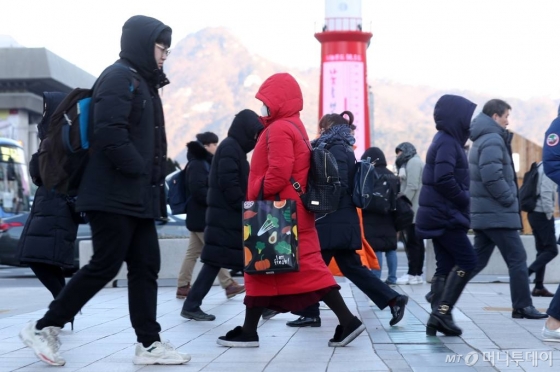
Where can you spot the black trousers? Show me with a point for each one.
(201, 287)
(116, 239)
(545, 243)
(509, 243)
(454, 248)
(415, 252)
(51, 276)
(350, 265)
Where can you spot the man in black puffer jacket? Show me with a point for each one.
(122, 192)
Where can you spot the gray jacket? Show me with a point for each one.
(411, 181)
(493, 186)
(547, 194)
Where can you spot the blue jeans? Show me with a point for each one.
(391, 265)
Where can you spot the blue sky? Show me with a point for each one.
(504, 48)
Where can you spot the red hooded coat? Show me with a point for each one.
(286, 155)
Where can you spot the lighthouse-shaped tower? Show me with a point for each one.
(343, 85)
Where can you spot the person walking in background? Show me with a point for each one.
(551, 168)
(281, 154)
(223, 235)
(340, 231)
(122, 192)
(495, 210)
(48, 237)
(443, 212)
(541, 220)
(379, 229)
(409, 169)
(199, 157)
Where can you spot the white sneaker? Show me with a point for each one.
(417, 279)
(550, 334)
(45, 343)
(405, 279)
(159, 353)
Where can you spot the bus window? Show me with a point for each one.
(14, 179)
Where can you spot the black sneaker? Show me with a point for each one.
(197, 315)
(398, 309)
(237, 338)
(269, 314)
(344, 335)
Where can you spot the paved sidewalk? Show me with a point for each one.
(104, 341)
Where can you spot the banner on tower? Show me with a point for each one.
(343, 90)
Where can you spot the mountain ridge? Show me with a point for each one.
(213, 76)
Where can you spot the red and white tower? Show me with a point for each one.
(343, 66)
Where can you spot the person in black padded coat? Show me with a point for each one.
(340, 232)
(47, 240)
(379, 229)
(227, 188)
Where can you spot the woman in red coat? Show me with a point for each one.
(281, 153)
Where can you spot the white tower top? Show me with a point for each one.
(343, 15)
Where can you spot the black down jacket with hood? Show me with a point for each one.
(223, 236)
(379, 229)
(198, 169)
(126, 169)
(50, 230)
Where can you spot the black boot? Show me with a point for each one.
(440, 318)
(438, 284)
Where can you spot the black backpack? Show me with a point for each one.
(374, 192)
(404, 214)
(178, 193)
(529, 191)
(64, 153)
(322, 194)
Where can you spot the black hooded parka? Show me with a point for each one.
(229, 175)
(126, 170)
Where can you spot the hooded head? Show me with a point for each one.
(407, 151)
(376, 155)
(282, 95)
(245, 128)
(453, 115)
(138, 40)
(51, 100)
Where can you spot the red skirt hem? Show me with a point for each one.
(287, 303)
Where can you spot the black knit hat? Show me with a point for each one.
(207, 138)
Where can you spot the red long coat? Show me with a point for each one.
(286, 155)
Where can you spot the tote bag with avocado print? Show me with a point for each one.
(270, 236)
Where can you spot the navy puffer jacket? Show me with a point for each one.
(444, 199)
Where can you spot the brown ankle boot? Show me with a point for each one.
(234, 289)
(182, 292)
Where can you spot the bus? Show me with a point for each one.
(15, 187)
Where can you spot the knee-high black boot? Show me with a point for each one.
(438, 284)
(440, 318)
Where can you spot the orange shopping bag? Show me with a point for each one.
(369, 259)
